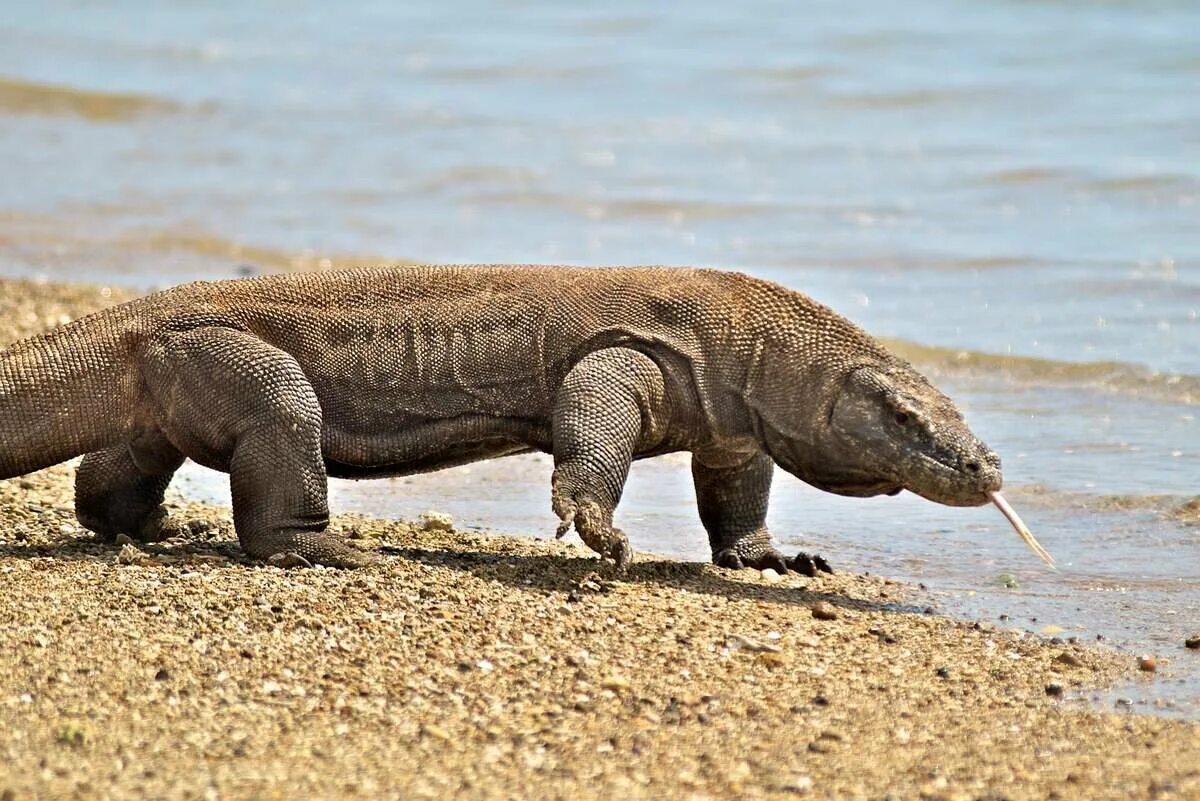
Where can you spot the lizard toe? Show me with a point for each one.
(729, 558)
(809, 565)
(618, 550)
(774, 561)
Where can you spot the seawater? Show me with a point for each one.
(1007, 190)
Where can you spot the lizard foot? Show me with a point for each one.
(306, 550)
(169, 526)
(596, 531)
(801, 563)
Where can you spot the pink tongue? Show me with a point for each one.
(1022, 530)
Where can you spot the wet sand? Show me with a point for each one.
(482, 666)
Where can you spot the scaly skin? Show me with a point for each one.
(285, 380)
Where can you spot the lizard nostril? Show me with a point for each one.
(973, 467)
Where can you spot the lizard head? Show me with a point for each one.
(884, 429)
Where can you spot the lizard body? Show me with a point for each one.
(283, 381)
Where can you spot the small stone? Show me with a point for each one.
(1193, 642)
(200, 526)
(1147, 663)
(770, 575)
(798, 785)
(123, 539)
(72, 734)
(824, 611)
(436, 521)
(737, 642)
(1007, 581)
(435, 731)
(772, 659)
(162, 675)
(615, 683)
(129, 555)
(1068, 658)
(943, 673)
(1054, 690)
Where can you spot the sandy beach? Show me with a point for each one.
(469, 665)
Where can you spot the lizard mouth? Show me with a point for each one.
(947, 484)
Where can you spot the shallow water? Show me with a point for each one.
(1009, 193)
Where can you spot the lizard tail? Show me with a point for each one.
(67, 392)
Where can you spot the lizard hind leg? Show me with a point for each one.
(234, 402)
(120, 490)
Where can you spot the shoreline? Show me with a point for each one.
(502, 667)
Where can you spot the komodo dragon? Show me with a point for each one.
(282, 381)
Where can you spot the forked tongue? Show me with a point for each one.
(1022, 530)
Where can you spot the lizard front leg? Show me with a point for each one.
(610, 406)
(732, 499)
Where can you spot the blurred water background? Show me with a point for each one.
(1008, 190)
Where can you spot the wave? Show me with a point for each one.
(59, 245)
(202, 244)
(1118, 377)
(675, 210)
(918, 98)
(29, 97)
(1178, 508)
(1029, 175)
(1139, 183)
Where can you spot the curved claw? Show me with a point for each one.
(800, 563)
(288, 559)
(809, 565)
(621, 555)
(773, 561)
(564, 525)
(730, 559)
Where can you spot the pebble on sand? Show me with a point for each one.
(1147, 663)
(824, 611)
(1068, 658)
(1193, 642)
(129, 555)
(437, 521)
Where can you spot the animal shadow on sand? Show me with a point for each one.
(578, 575)
(572, 576)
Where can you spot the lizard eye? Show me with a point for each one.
(902, 418)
